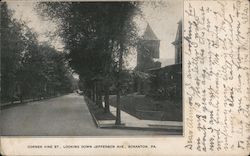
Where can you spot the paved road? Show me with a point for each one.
(62, 116)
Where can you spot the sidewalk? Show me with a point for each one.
(18, 102)
(131, 122)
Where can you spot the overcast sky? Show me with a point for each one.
(163, 20)
(162, 17)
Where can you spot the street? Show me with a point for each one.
(67, 115)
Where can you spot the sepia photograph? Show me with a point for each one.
(91, 68)
(138, 77)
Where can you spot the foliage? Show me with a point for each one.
(29, 69)
(12, 46)
(93, 33)
(97, 36)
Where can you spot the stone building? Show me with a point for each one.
(167, 81)
(160, 82)
(148, 51)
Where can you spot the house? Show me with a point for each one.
(164, 82)
(167, 81)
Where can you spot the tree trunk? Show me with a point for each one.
(106, 99)
(95, 92)
(21, 98)
(99, 95)
(118, 104)
(90, 93)
(118, 109)
(100, 101)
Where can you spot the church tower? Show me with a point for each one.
(178, 44)
(148, 50)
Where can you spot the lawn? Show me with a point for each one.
(146, 108)
(98, 112)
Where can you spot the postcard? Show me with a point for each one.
(153, 78)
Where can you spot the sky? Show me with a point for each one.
(162, 16)
(163, 19)
(24, 10)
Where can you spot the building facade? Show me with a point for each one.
(167, 81)
(147, 51)
(163, 82)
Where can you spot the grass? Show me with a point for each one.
(98, 112)
(146, 108)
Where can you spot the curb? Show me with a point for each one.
(16, 103)
(179, 129)
(97, 124)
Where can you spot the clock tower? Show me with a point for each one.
(147, 51)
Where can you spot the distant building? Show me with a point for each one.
(162, 82)
(167, 81)
(178, 44)
(147, 51)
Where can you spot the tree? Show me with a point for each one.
(45, 72)
(12, 47)
(124, 36)
(30, 69)
(97, 36)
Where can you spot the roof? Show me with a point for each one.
(178, 37)
(149, 34)
(166, 67)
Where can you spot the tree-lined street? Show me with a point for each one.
(97, 39)
(29, 69)
(62, 116)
